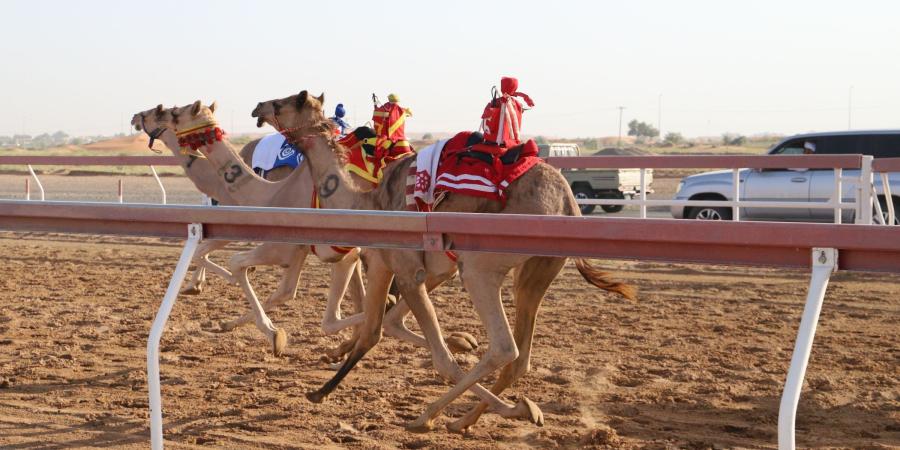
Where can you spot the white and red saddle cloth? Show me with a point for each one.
(466, 164)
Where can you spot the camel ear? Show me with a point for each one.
(301, 99)
(195, 108)
(159, 108)
(321, 98)
(212, 107)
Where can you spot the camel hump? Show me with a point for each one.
(601, 279)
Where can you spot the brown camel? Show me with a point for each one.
(295, 191)
(542, 190)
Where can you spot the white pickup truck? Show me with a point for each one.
(597, 183)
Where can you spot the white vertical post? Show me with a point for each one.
(837, 196)
(824, 262)
(159, 182)
(864, 192)
(37, 180)
(27, 188)
(195, 234)
(121, 192)
(888, 197)
(643, 193)
(736, 193)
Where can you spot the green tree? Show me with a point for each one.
(427, 137)
(642, 129)
(674, 138)
(540, 140)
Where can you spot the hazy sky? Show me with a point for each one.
(766, 66)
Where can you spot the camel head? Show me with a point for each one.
(154, 122)
(195, 115)
(293, 113)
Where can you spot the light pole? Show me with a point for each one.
(659, 117)
(621, 108)
(850, 108)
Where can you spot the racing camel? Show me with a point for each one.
(295, 190)
(541, 190)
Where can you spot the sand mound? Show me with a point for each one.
(135, 142)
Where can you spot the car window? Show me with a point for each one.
(882, 146)
(790, 148)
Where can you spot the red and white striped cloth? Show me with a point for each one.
(444, 167)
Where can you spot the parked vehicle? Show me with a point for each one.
(597, 183)
(794, 184)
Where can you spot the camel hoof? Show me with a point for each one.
(459, 426)
(529, 411)
(191, 290)
(315, 396)
(227, 326)
(420, 425)
(460, 342)
(280, 342)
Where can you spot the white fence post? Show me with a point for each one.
(838, 196)
(643, 193)
(864, 192)
(736, 194)
(195, 234)
(824, 262)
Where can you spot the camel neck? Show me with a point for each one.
(335, 188)
(201, 174)
(237, 178)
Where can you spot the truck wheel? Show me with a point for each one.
(584, 193)
(709, 213)
(613, 208)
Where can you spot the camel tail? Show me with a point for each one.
(601, 279)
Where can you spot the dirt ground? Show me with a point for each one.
(697, 362)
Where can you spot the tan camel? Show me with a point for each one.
(207, 179)
(201, 257)
(244, 187)
(542, 190)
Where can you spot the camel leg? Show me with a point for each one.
(342, 273)
(287, 287)
(531, 283)
(357, 294)
(201, 260)
(379, 281)
(266, 254)
(484, 288)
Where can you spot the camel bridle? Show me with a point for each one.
(154, 135)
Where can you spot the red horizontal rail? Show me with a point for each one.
(861, 247)
(90, 160)
(886, 165)
(709, 162)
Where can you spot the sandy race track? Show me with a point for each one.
(697, 362)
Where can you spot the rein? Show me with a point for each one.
(154, 135)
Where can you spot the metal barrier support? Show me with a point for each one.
(37, 180)
(824, 262)
(121, 191)
(159, 182)
(195, 234)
